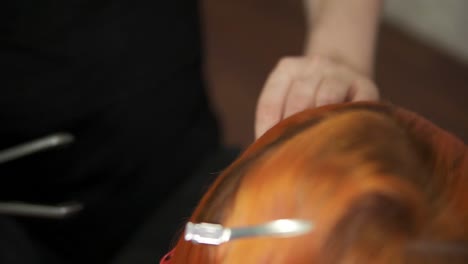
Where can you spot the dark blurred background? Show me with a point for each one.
(421, 63)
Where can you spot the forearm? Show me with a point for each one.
(345, 30)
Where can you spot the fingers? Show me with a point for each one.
(301, 95)
(363, 90)
(331, 91)
(270, 105)
(298, 83)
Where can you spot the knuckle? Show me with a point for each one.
(318, 59)
(317, 64)
(287, 62)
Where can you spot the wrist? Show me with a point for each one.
(344, 30)
(341, 48)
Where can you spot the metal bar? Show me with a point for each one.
(41, 211)
(41, 144)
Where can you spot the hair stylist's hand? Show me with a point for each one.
(298, 83)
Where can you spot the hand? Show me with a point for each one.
(298, 83)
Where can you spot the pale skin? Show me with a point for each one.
(337, 64)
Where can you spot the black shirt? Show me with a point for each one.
(123, 76)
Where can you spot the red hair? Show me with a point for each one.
(380, 184)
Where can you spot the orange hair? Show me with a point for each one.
(380, 184)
